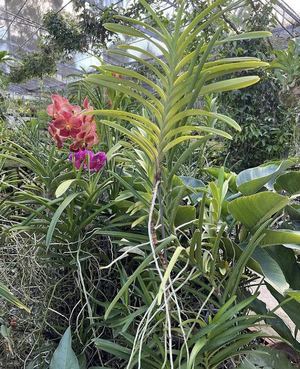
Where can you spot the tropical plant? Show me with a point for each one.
(152, 142)
(158, 266)
(277, 244)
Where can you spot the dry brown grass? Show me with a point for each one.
(31, 282)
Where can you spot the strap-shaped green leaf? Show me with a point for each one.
(118, 87)
(229, 85)
(199, 112)
(247, 36)
(130, 31)
(137, 272)
(179, 140)
(148, 54)
(144, 144)
(194, 23)
(56, 217)
(128, 87)
(156, 18)
(124, 54)
(146, 26)
(214, 63)
(185, 130)
(222, 69)
(281, 237)
(131, 73)
(121, 114)
(136, 123)
(8, 296)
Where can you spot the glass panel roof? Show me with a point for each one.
(20, 27)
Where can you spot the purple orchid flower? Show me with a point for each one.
(91, 161)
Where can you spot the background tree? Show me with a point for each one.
(267, 130)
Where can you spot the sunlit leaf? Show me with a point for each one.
(255, 209)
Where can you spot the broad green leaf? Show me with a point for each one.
(57, 215)
(283, 237)
(64, 357)
(279, 326)
(192, 182)
(270, 268)
(8, 296)
(291, 269)
(291, 307)
(185, 214)
(231, 176)
(289, 182)
(265, 358)
(293, 210)
(251, 180)
(255, 209)
(287, 261)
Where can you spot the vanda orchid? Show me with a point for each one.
(69, 123)
(88, 159)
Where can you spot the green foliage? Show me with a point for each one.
(267, 129)
(287, 61)
(64, 35)
(265, 358)
(36, 64)
(155, 267)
